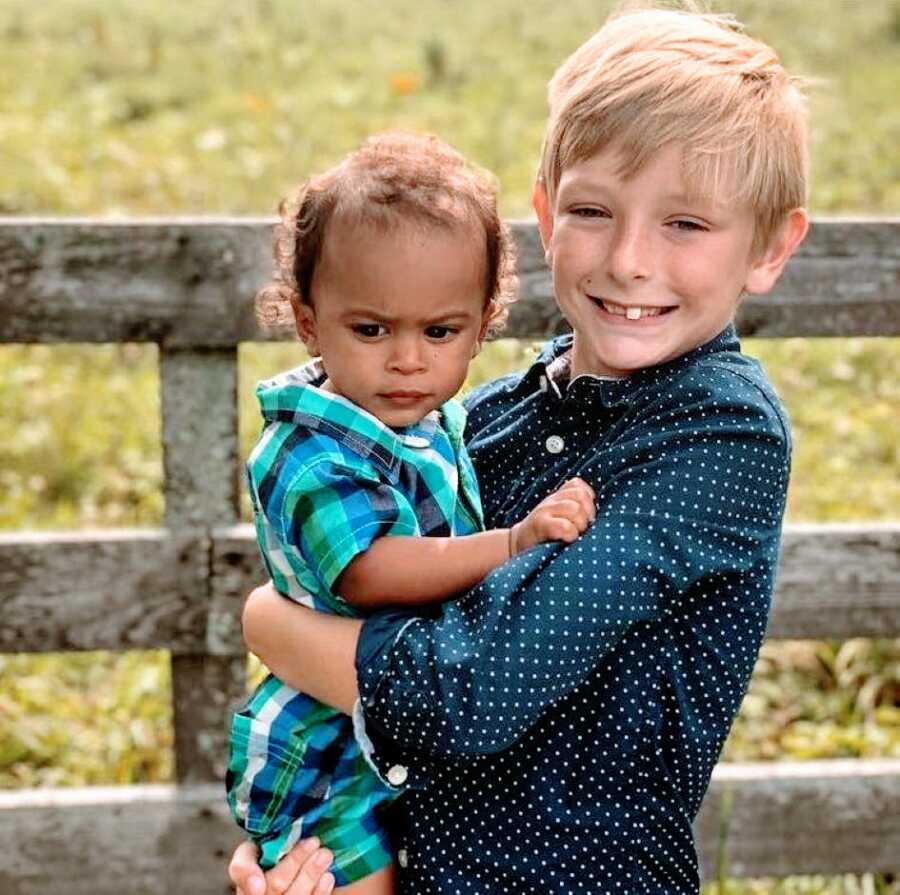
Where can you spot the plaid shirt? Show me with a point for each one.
(326, 479)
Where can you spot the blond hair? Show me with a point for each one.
(651, 78)
(394, 178)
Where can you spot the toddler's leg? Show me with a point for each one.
(381, 882)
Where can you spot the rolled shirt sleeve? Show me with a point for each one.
(690, 493)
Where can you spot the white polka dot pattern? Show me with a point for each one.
(559, 723)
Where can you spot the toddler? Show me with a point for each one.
(395, 266)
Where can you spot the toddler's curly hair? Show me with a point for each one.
(393, 178)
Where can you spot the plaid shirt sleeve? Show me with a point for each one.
(331, 513)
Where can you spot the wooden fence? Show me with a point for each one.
(187, 286)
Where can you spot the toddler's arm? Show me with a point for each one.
(407, 571)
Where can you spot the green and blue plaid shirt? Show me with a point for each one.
(326, 479)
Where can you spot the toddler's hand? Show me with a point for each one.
(561, 516)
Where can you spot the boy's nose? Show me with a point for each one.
(629, 257)
(408, 355)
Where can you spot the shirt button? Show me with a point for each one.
(397, 775)
(416, 441)
(402, 857)
(555, 444)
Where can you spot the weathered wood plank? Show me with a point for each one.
(200, 459)
(815, 817)
(175, 282)
(129, 840)
(137, 589)
(839, 580)
(191, 283)
(183, 592)
(199, 436)
(811, 817)
(204, 689)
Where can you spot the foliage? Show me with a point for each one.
(107, 123)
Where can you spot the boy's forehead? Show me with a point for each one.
(674, 178)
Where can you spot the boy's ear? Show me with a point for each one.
(540, 201)
(305, 321)
(765, 270)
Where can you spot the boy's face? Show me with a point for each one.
(642, 271)
(396, 316)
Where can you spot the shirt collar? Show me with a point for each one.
(297, 396)
(550, 371)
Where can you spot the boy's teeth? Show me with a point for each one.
(632, 312)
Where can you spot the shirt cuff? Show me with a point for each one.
(399, 765)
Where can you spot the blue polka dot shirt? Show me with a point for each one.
(556, 726)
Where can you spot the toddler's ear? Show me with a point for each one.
(765, 270)
(305, 320)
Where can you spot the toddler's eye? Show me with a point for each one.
(440, 333)
(369, 330)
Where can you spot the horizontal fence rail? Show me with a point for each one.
(757, 820)
(183, 592)
(190, 283)
(188, 286)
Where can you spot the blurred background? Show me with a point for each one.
(120, 109)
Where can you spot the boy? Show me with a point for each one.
(394, 265)
(566, 741)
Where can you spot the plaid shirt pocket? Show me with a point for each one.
(285, 747)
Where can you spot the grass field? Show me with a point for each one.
(168, 108)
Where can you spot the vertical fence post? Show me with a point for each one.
(200, 456)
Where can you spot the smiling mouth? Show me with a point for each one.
(631, 312)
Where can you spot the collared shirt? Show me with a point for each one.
(558, 725)
(327, 478)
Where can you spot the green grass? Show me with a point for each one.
(165, 108)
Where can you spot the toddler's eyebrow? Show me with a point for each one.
(446, 317)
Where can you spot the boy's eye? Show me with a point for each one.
(689, 226)
(588, 211)
(439, 332)
(369, 330)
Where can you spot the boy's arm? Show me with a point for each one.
(438, 687)
(410, 571)
(685, 546)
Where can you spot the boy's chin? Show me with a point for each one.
(623, 359)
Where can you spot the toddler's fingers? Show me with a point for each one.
(562, 529)
(573, 510)
(577, 484)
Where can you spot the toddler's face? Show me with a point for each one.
(643, 271)
(396, 316)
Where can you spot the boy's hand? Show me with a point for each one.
(302, 871)
(561, 516)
